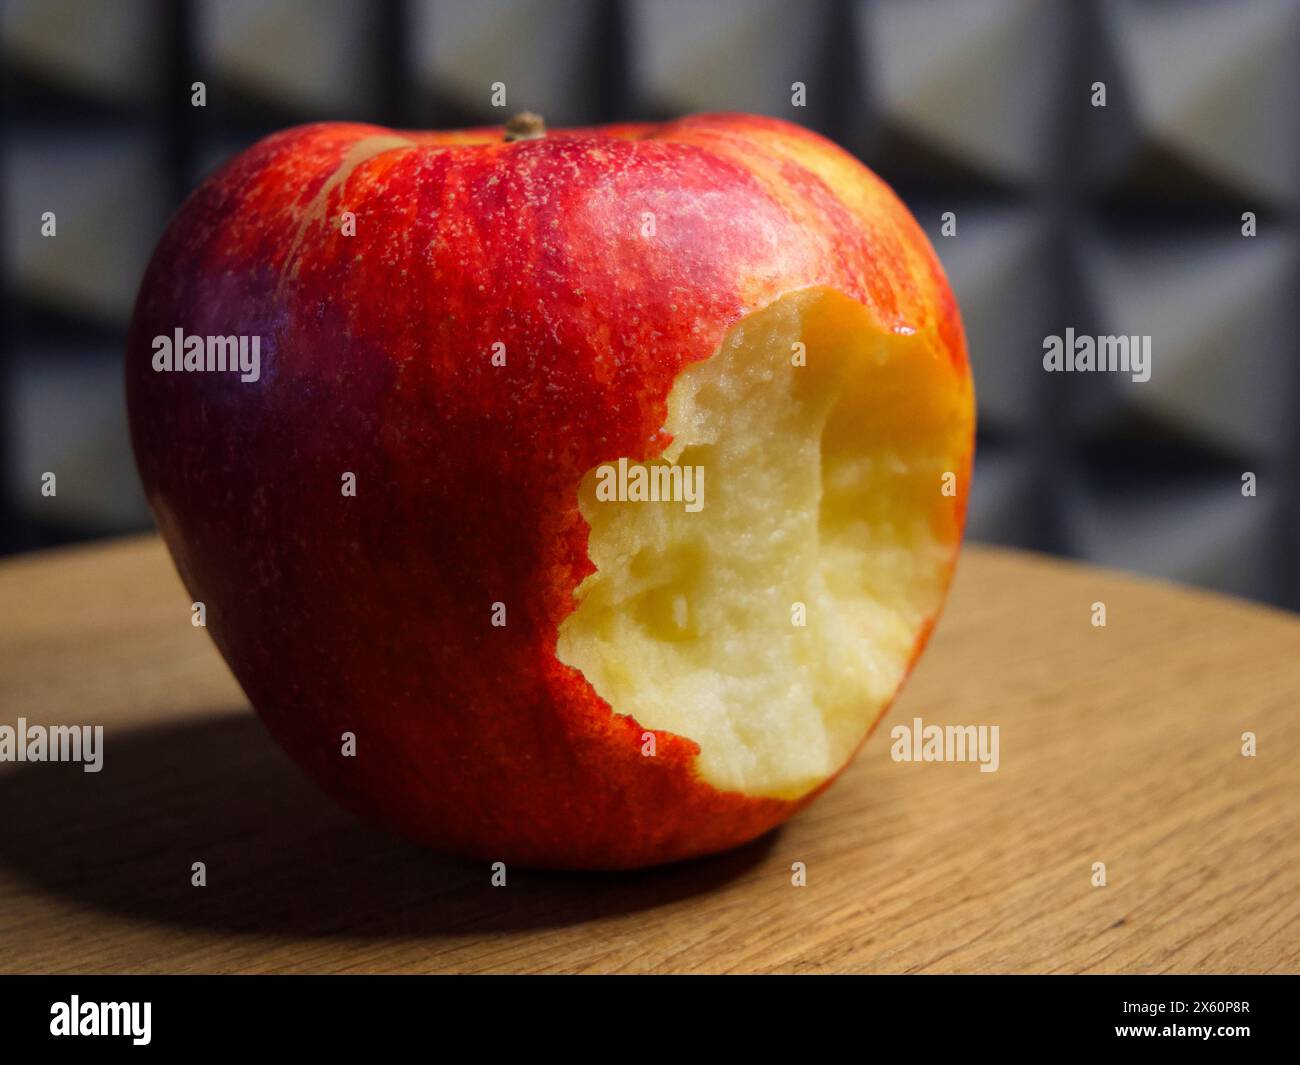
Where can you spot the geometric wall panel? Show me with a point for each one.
(998, 263)
(974, 80)
(314, 57)
(110, 202)
(1196, 529)
(1216, 84)
(108, 50)
(68, 417)
(728, 55)
(535, 48)
(1218, 311)
(1004, 507)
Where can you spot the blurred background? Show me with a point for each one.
(1123, 219)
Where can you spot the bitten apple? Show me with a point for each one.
(403, 528)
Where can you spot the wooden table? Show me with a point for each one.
(1120, 745)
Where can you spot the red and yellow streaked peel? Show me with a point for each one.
(372, 615)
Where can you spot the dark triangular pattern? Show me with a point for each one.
(1002, 496)
(1105, 415)
(40, 99)
(1188, 524)
(1153, 178)
(1135, 441)
(924, 169)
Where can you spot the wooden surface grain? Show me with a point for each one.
(1120, 745)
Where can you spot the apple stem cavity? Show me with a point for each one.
(525, 126)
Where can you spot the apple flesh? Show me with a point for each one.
(773, 625)
(725, 293)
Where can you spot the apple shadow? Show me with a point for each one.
(280, 857)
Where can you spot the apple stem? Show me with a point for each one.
(525, 126)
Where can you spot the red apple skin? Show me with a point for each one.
(372, 615)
